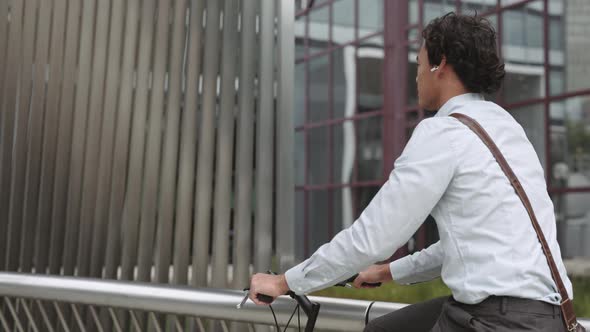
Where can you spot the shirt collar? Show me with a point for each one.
(448, 107)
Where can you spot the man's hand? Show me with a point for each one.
(373, 274)
(267, 284)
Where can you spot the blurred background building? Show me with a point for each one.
(356, 104)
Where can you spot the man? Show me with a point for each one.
(488, 253)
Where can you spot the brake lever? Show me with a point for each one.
(261, 297)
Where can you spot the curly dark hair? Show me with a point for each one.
(469, 45)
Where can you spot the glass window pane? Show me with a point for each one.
(369, 70)
(523, 33)
(573, 223)
(556, 80)
(556, 24)
(532, 120)
(413, 12)
(370, 17)
(436, 8)
(411, 79)
(415, 37)
(522, 50)
(570, 142)
(299, 115)
(300, 222)
(577, 57)
(343, 208)
(319, 158)
(318, 209)
(557, 42)
(344, 150)
(300, 158)
(343, 25)
(513, 25)
(319, 29)
(299, 48)
(533, 29)
(470, 7)
(362, 196)
(523, 82)
(299, 31)
(508, 2)
(369, 150)
(360, 142)
(300, 5)
(319, 96)
(344, 80)
(375, 41)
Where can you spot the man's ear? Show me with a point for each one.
(443, 63)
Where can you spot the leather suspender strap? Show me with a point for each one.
(567, 307)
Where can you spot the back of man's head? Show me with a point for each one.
(468, 43)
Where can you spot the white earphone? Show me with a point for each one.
(434, 69)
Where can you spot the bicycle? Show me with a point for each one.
(311, 309)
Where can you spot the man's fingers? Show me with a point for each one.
(259, 302)
(358, 282)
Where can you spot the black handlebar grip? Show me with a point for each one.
(369, 284)
(372, 284)
(264, 298)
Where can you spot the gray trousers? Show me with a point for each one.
(500, 314)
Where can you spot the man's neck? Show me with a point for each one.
(450, 92)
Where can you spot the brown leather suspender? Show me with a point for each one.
(567, 308)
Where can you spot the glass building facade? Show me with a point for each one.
(356, 103)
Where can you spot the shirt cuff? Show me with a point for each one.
(295, 280)
(402, 270)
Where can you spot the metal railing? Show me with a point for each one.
(59, 294)
(39, 298)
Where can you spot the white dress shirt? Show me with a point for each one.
(487, 243)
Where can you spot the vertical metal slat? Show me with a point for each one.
(245, 149)
(3, 56)
(3, 44)
(9, 94)
(15, 211)
(91, 149)
(79, 138)
(35, 131)
(170, 148)
(285, 186)
(51, 123)
(187, 152)
(225, 147)
(264, 141)
(133, 192)
(64, 137)
(121, 146)
(202, 226)
(105, 159)
(149, 198)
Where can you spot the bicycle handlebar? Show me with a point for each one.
(311, 309)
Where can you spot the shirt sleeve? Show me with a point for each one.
(420, 177)
(419, 267)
